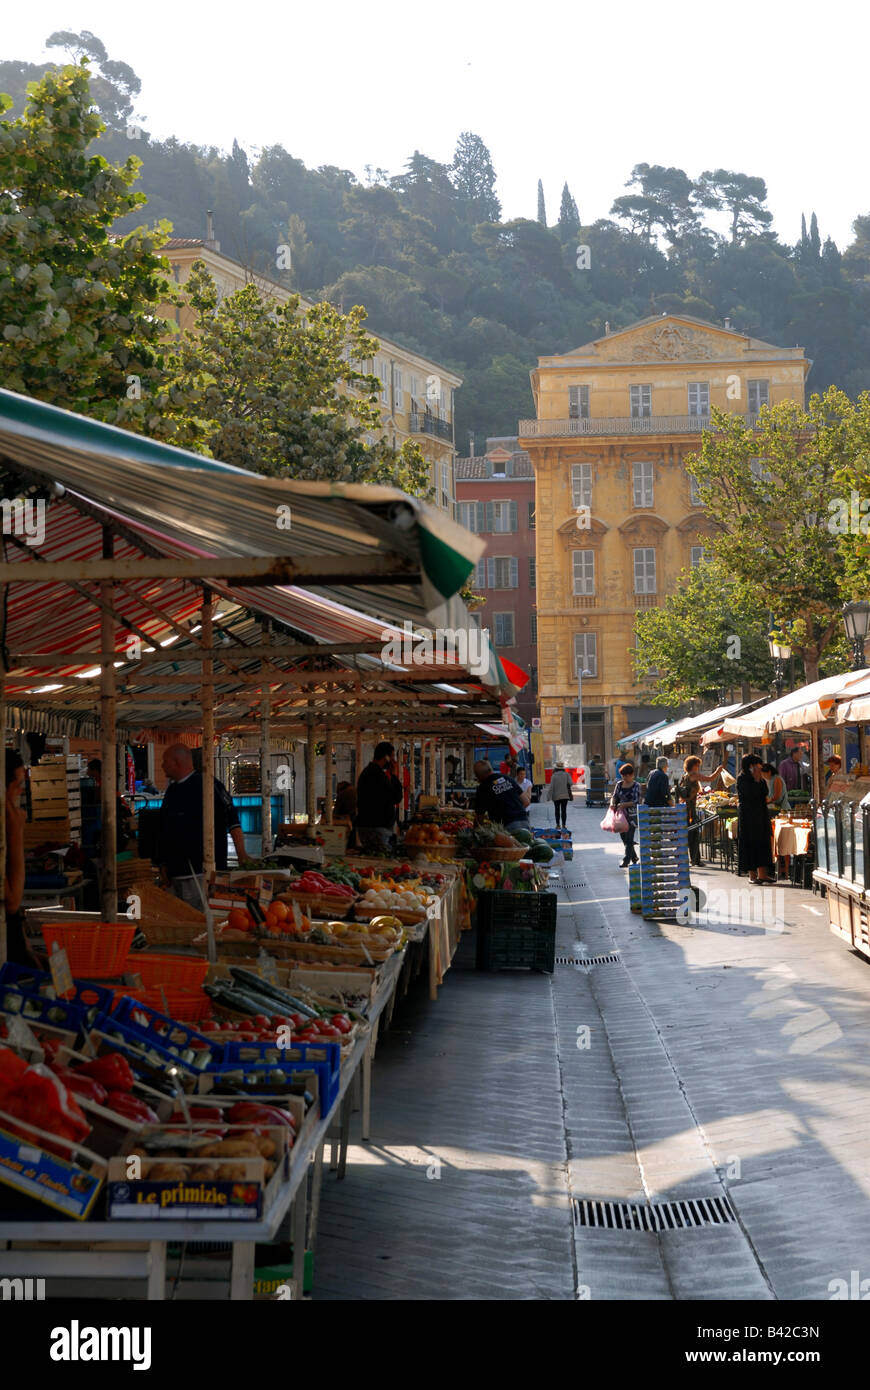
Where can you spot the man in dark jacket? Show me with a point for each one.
(658, 787)
(181, 846)
(378, 794)
(500, 798)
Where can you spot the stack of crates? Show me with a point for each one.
(634, 896)
(663, 840)
(559, 839)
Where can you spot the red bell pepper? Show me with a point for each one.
(41, 1099)
(112, 1070)
(81, 1085)
(246, 1112)
(200, 1114)
(131, 1107)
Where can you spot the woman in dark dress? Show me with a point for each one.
(753, 823)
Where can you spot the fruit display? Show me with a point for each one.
(487, 839)
(405, 900)
(317, 885)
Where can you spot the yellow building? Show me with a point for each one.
(617, 516)
(417, 395)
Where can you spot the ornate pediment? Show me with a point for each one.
(675, 342)
(642, 522)
(572, 530)
(697, 521)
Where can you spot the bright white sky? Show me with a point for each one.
(556, 90)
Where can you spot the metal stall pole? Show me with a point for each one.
(207, 702)
(265, 746)
(310, 793)
(357, 752)
(108, 752)
(327, 754)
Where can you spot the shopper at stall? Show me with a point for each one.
(791, 769)
(832, 767)
(687, 790)
(754, 855)
(644, 770)
(180, 841)
(560, 792)
(658, 787)
(625, 798)
(500, 798)
(125, 817)
(378, 795)
(777, 791)
(17, 949)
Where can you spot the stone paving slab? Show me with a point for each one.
(718, 1058)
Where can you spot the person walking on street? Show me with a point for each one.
(378, 795)
(180, 852)
(754, 855)
(560, 792)
(687, 790)
(658, 787)
(625, 798)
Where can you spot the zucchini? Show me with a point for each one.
(253, 984)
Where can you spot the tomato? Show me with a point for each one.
(327, 1031)
(261, 1021)
(308, 1035)
(341, 1022)
(299, 1021)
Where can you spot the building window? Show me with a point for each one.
(413, 388)
(641, 402)
(502, 572)
(584, 571)
(581, 484)
(478, 579)
(694, 494)
(586, 653)
(382, 370)
(578, 402)
(501, 517)
(698, 555)
(759, 395)
(533, 627)
(699, 398)
(445, 484)
(397, 387)
(504, 629)
(642, 483)
(466, 515)
(645, 571)
(533, 572)
(531, 516)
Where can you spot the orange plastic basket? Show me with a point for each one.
(96, 951)
(184, 1004)
(157, 968)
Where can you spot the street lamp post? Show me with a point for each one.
(580, 675)
(780, 651)
(856, 619)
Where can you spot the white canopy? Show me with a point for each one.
(672, 733)
(801, 709)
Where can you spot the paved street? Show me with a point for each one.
(726, 1059)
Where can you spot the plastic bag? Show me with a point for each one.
(615, 821)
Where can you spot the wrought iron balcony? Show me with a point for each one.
(624, 424)
(421, 422)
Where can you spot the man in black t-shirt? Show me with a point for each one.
(378, 796)
(501, 798)
(180, 840)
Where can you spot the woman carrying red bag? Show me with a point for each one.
(626, 795)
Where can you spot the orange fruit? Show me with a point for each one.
(280, 911)
(239, 919)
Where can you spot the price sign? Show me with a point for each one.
(61, 975)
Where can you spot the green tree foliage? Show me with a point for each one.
(779, 498)
(263, 388)
(710, 635)
(76, 304)
(474, 178)
(742, 195)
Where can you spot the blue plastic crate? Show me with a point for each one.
(92, 999)
(144, 1024)
(324, 1059)
(41, 1008)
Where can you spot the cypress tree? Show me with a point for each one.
(569, 217)
(542, 211)
(815, 244)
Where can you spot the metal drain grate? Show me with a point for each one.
(684, 1215)
(584, 962)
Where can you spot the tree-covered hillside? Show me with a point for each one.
(425, 250)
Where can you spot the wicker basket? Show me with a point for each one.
(171, 933)
(403, 915)
(317, 904)
(95, 951)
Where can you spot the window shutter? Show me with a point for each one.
(480, 522)
(490, 523)
(514, 522)
(490, 572)
(515, 572)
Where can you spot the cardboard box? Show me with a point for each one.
(276, 1271)
(70, 1186)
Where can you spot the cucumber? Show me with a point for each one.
(253, 984)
